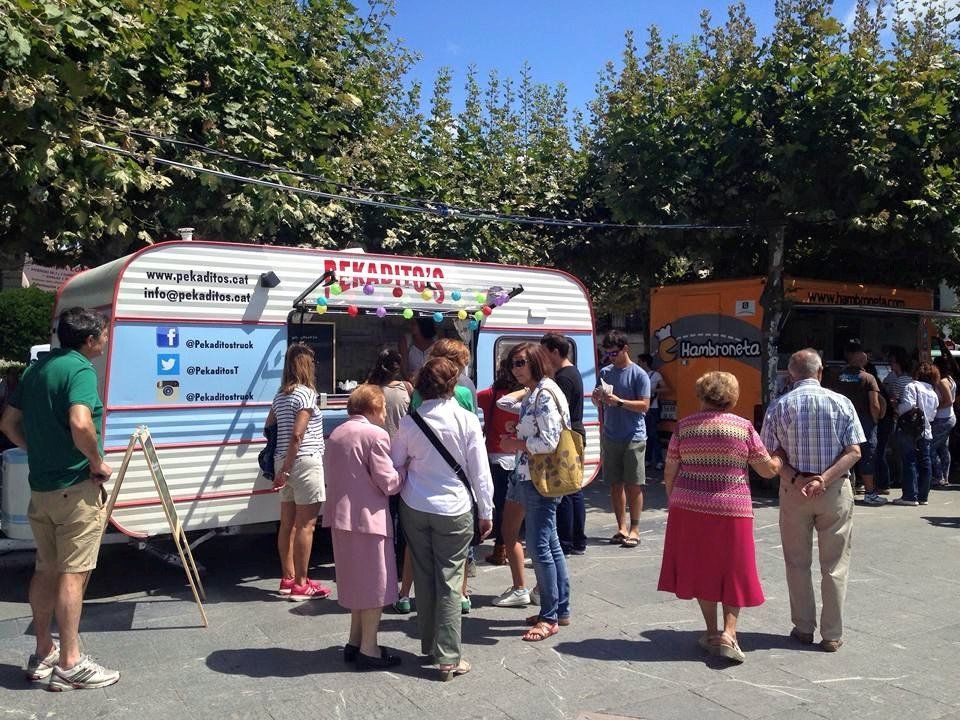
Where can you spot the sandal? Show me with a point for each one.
(617, 538)
(449, 672)
(722, 646)
(541, 631)
(534, 619)
(630, 542)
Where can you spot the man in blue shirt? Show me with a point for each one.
(624, 395)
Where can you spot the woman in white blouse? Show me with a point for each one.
(543, 415)
(436, 508)
(915, 451)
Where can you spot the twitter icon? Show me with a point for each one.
(168, 364)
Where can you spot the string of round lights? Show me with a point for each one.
(473, 306)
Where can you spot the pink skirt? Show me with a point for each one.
(710, 557)
(366, 569)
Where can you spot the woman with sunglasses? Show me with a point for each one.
(543, 412)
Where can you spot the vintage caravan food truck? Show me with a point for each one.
(698, 327)
(198, 332)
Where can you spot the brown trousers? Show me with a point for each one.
(831, 515)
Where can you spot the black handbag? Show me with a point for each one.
(455, 466)
(912, 422)
(265, 458)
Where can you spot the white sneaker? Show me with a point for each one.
(39, 668)
(535, 596)
(874, 499)
(513, 597)
(85, 675)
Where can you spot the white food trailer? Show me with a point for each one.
(198, 332)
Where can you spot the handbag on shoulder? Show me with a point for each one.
(912, 422)
(560, 472)
(265, 458)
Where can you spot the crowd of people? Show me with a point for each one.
(412, 479)
(413, 475)
(907, 419)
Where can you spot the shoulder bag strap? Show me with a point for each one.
(444, 453)
(533, 400)
(559, 408)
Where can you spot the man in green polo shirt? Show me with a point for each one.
(55, 415)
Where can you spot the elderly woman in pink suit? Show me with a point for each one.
(360, 479)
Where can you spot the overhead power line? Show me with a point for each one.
(402, 203)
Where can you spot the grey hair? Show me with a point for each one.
(805, 364)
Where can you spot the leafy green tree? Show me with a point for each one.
(26, 317)
(289, 82)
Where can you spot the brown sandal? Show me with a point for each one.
(541, 631)
(534, 619)
(449, 672)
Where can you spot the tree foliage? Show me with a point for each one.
(283, 82)
(845, 137)
(851, 147)
(26, 316)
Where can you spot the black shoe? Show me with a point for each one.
(350, 652)
(384, 662)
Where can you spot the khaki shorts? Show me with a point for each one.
(305, 482)
(623, 462)
(67, 525)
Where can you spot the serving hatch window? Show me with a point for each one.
(828, 331)
(346, 346)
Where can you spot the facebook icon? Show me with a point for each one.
(168, 337)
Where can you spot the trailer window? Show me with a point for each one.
(506, 343)
(828, 332)
(346, 347)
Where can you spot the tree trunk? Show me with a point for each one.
(772, 302)
(11, 269)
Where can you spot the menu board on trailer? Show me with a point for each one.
(321, 338)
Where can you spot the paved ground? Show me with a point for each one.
(631, 650)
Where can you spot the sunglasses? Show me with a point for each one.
(611, 353)
(522, 362)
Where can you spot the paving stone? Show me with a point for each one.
(631, 650)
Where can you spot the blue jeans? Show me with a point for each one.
(544, 547)
(915, 455)
(940, 448)
(654, 450)
(883, 477)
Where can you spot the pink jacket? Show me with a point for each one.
(360, 477)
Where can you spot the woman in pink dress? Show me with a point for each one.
(708, 551)
(360, 480)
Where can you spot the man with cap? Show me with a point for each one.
(863, 390)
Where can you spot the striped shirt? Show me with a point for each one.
(713, 450)
(894, 385)
(813, 425)
(285, 409)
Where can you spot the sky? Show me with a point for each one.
(566, 41)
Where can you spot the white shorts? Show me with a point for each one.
(305, 484)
